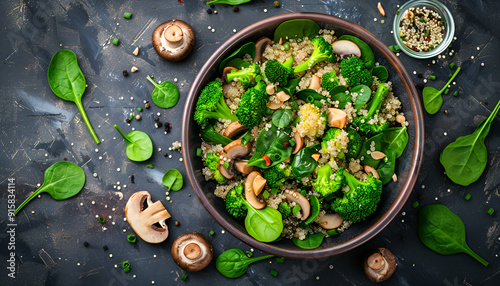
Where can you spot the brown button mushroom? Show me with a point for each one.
(345, 48)
(192, 252)
(274, 106)
(232, 151)
(145, 221)
(299, 142)
(380, 265)
(330, 221)
(261, 45)
(173, 40)
(234, 129)
(225, 71)
(294, 196)
(249, 192)
(241, 166)
(282, 96)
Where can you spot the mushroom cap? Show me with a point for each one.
(303, 202)
(192, 252)
(232, 151)
(379, 265)
(260, 46)
(233, 129)
(142, 221)
(345, 48)
(250, 195)
(174, 50)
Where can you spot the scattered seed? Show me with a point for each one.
(147, 105)
(377, 155)
(125, 73)
(86, 244)
(137, 117)
(177, 223)
(236, 8)
(381, 9)
(136, 51)
(400, 119)
(134, 69)
(395, 177)
(116, 42)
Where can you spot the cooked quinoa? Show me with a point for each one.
(421, 29)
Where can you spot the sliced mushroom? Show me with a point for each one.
(173, 40)
(377, 155)
(144, 221)
(260, 46)
(234, 129)
(273, 105)
(336, 118)
(380, 265)
(315, 82)
(250, 194)
(369, 169)
(330, 221)
(241, 166)
(282, 96)
(345, 48)
(299, 143)
(192, 252)
(231, 152)
(258, 184)
(225, 71)
(270, 89)
(294, 196)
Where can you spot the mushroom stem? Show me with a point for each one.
(192, 251)
(173, 34)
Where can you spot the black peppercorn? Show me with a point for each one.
(128, 120)
(420, 74)
(86, 244)
(125, 73)
(236, 8)
(209, 11)
(105, 247)
(168, 126)
(132, 179)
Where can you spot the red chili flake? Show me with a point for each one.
(180, 1)
(428, 38)
(268, 161)
(286, 144)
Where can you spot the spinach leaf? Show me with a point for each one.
(364, 93)
(465, 159)
(248, 48)
(233, 262)
(289, 88)
(367, 55)
(270, 143)
(282, 118)
(314, 202)
(443, 231)
(61, 180)
(165, 95)
(230, 2)
(381, 73)
(173, 180)
(67, 81)
(432, 97)
(386, 166)
(303, 163)
(343, 98)
(338, 89)
(139, 145)
(265, 224)
(396, 139)
(238, 63)
(366, 159)
(308, 94)
(311, 241)
(296, 29)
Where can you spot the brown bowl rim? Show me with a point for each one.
(405, 191)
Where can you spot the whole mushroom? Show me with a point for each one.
(173, 40)
(192, 252)
(380, 265)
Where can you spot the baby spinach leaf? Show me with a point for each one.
(139, 145)
(233, 262)
(366, 159)
(248, 48)
(282, 118)
(386, 166)
(303, 163)
(396, 139)
(264, 225)
(62, 180)
(165, 95)
(173, 180)
(289, 88)
(238, 63)
(67, 81)
(296, 29)
(343, 98)
(311, 241)
(465, 159)
(432, 97)
(443, 231)
(367, 55)
(364, 93)
(311, 96)
(338, 89)
(381, 73)
(270, 143)
(314, 202)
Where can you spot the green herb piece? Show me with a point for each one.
(364, 93)
(62, 180)
(173, 180)
(452, 65)
(139, 109)
(465, 159)
(212, 232)
(280, 259)
(126, 264)
(265, 194)
(296, 29)
(233, 262)
(445, 23)
(432, 97)
(150, 166)
(381, 73)
(333, 232)
(427, 32)
(450, 75)
(127, 269)
(248, 48)
(443, 231)
(246, 137)
(422, 20)
(184, 277)
(165, 95)
(67, 82)
(286, 46)
(274, 273)
(398, 11)
(131, 116)
(292, 142)
(226, 165)
(131, 238)
(139, 145)
(446, 91)
(455, 93)
(116, 42)
(282, 118)
(249, 253)
(491, 211)
(127, 15)
(311, 241)
(395, 48)
(432, 77)
(101, 219)
(415, 205)
(467, 197)
(229, 2)
(199, 152)
(296, 209)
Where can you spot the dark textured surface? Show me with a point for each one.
(38, 129)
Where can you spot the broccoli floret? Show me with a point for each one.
(363, 122)
(210, 135)
(330, 134)
(278, 72)
(252, 106)
(212, 162)
(361, 200)
(275, 176)
(236, 205)
(322, 51)
(324, 185)
(211, 105)
(355, 71)
(247, 76)
(284, 209)
(329, 80)
(355, 143)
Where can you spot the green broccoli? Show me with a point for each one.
(278, 72)
(355, 71)
(355, 143)
(236, 204)
(322, 51)
(247, 76)
(212, 162)
(284, 209)
(361, 200)
(329, 80)
(209, 134)
(275, 176)
(363, 122)
(252, 106)
(331, 134)
(211, 105)
(324, 185)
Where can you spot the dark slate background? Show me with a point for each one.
(38, 129)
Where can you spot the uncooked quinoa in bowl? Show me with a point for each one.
(303, 138)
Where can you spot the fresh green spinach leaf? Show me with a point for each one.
(364, 93)
(282, 118)
(265, 224)
(338, 89)
(433, 100)
(67, 81)
(296, 29)
(165, 95)
(173, 180)
(248, 48)
(343, 98)
(381, 73)
(62, 180)
(238, 63)
(386, 166)
(367, 55)
(303, 163)
(366, 158)
(314, 203)
(270, 143)
(396, 139)
(233, 262)
(139, 145)
(311, 241)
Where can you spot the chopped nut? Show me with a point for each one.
(136, 51)
(258, 184)
(282, 96)
(370, 169)
(381, 9)
(270, 89)
(395, 177)
(134, 69)
(400, 119)
(316, 156)
(281, 41)
(377, 155)
(274, 106)
(315, 83)
(336, 118)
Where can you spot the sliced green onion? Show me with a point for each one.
(427, 32)
(332, 232)
(455, 93)
(139, 109)
(212, 232)
(415, 205)
(446, 91)
(452, 65)
(116, 41)
(198, 152)
(491, 211)
(131, 238)
(286, 46)
(125, 264)
(422, 20)
(150, 166)
(303, 192)
(296, 209)
(340, 155)
(450, 75)
(184, 277)
(395, 48)
(432, 77)
(274, 272)
(101, 219)
(280, 259)
(226, 165)
(397, 12)
(265, 194)
(127, 15)
(467, 197)
(292, 142)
